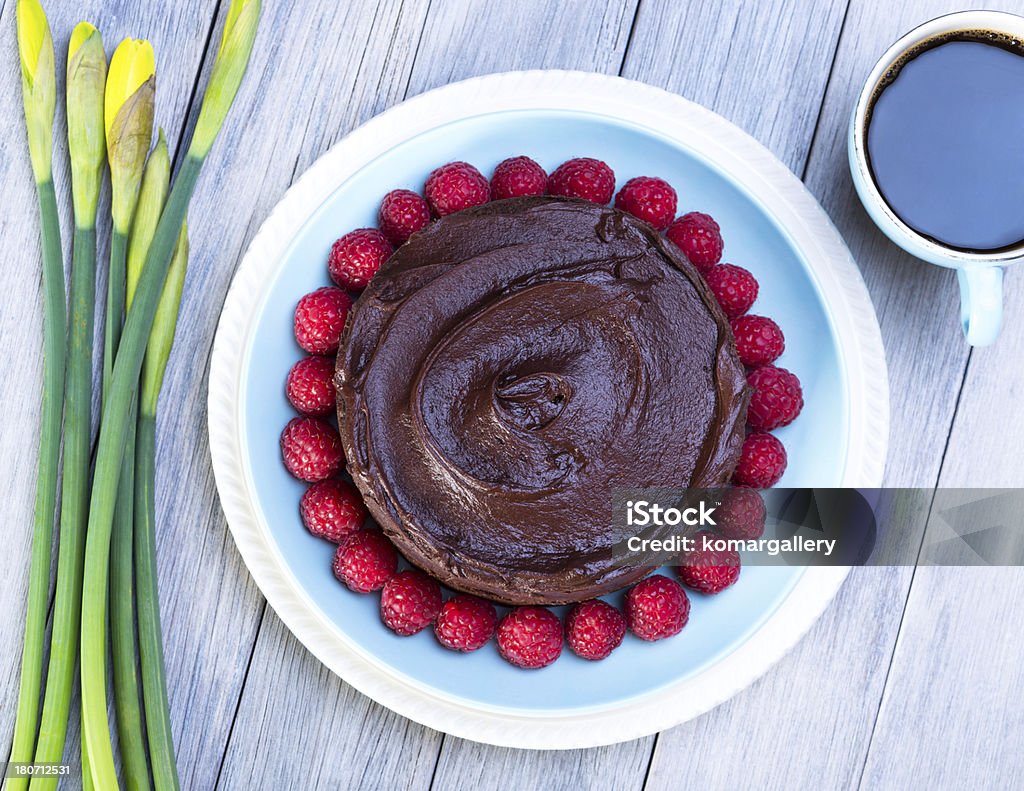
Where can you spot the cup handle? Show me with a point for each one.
(981, 304)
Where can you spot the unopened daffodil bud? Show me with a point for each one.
(128, 114)
(38, 85)
(152, 195)
(161, 338)
(87, 74)
(228, 69)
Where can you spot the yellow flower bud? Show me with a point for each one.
(128, 114)
(228, 69)
(161, 338)
(152, 195)
(87, 73)
(38, 84)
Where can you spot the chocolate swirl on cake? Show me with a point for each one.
(508, 369)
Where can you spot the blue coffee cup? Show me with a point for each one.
(979, 273)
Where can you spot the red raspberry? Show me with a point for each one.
(741, 514)
(402, 213)
(657, 607)
(594, 629)
(762, 461)
(409, 602)
(699, 237)
(734, 288)
(651, 199)
(357, 256)
(759, 340)
(332, 509)
(310, 386)
(518, 177)
(465, 623)
(777, 398)
(320, 318)
(311, 449)
(454, 187)
(365, 561)
(590, 179)
(530, 637)
(709, 570)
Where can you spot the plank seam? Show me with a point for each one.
(913, 576)
(824, 94)
(241, 695)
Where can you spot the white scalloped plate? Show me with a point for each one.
(840, 440)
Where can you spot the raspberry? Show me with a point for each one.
(762, 461)
(357, 256)
(409, 602)
(759, 340)
(530, 637)
(734, 288)
(651, 199)
(741, 514)
(402, 213)
(709, 570)
(332, 509)
(777, 398)
(320, 318)
(594, 629)
(310, 386)
(465, 623)
(365, 561)
(518, 177)
(699, 237)
(454, 187)
(589, 179)
(657, 607)
(311, 449)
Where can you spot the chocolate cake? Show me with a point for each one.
(508, 369)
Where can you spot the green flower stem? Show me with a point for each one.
(127, 703)
(115, 304)
(151, 650)
(154, 684)
(77, 436)
(54, 322)
(124, 385)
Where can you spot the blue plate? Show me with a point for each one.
(817, 441)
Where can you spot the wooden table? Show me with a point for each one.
(911, 679)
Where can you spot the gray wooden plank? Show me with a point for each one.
(951, 716)
(463, 39)
(467, 766)
(956, 676)
(762, 65)
(300, 726)
(179, 38)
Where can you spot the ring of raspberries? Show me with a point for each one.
(365, 561)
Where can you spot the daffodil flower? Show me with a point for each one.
(232, 59)
(128, 116)
(38, 84)
(87, 74)
(152, 195)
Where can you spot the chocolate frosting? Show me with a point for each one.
(508, 369)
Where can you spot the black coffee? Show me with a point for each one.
(945, 140)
